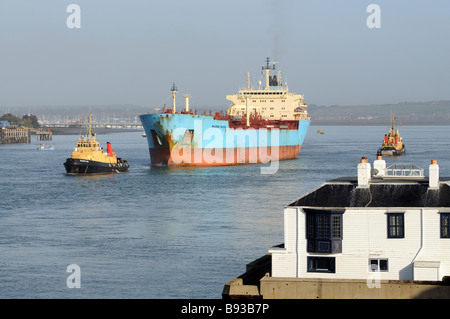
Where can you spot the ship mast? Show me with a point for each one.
(174, 94)
(393, 120)
(90, 126)
(268, 68)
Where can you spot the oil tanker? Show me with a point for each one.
(264, 124)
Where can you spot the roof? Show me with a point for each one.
(387, 192)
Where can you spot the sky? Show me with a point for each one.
(130, 52)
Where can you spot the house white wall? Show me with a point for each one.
(365, 237)
(284, 260)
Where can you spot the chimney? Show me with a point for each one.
(379, 166)
(363, 173)
(433, 181)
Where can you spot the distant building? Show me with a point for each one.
(392, 221)
(4, 124)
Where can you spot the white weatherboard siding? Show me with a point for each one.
(365, 237)
(284, 259)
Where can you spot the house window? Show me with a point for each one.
(324, 231)
(396, 225)
(445, 231)
(378, 265)
(321, 264)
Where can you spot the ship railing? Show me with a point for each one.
(404, 170)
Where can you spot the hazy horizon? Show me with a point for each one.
(130, 52)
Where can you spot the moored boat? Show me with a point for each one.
(89, 158)
(392, 142)
(43, 147)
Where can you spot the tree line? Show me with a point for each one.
(28, 120)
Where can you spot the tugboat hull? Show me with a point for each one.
(392, 151)
(80, 166)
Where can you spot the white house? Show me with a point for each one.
(390, 220)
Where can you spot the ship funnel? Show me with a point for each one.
(109, 149)
(433, 182)
(363, 173)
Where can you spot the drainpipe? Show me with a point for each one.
(421, 240)
(296, 240)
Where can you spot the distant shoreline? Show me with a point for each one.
(78, 131)
(379, 123)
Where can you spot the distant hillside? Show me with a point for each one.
(414, 113)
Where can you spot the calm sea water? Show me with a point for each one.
(158, 232)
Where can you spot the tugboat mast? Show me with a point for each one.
(90, 126)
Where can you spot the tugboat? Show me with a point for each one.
(88, 158)
(392, 142)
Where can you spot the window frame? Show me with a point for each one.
(395, 226)
(312, 263)
(444, 217)
(324, 231)
(380, 269)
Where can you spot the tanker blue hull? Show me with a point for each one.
(205, 140)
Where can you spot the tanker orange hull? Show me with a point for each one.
(222, 157)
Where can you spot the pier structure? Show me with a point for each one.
(42, 135)
(15, 135)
